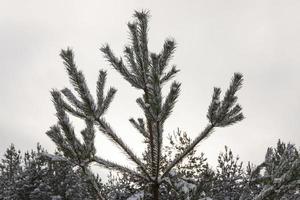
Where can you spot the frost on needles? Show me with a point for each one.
(145, 71)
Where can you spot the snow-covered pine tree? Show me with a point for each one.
(147, 72)
(229, 182)
(66, 181)
(32, 174)
(10, 172)
(39, 177)
(120, 186)
(42, 192)
(188, 178)
(279, 175)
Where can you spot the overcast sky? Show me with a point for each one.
(260, 39)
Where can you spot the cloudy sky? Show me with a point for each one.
(259, 38)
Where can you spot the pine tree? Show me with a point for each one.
(120, 186)
(32, 173)
(42, 192)
(279, 174)
(229, 183)
(39, 177)
(188, 178)
(11, 170)
(147, 72)
(66, 181)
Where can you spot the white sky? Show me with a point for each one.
(215, 39)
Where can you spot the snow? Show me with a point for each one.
(53, 157)
(137, 196)
(185, 186)
(58, 197)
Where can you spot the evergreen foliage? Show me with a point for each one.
(37, 177)
(229, 178)
(278, 177)
(145, 71)
(42, 176)
(168, 169)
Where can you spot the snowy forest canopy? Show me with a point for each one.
(38, 176)
(168, 169)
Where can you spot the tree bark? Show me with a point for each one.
(155, 191)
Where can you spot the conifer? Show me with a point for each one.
(145, 71)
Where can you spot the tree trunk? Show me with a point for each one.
(155, 191)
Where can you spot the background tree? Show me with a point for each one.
(120, 186)
(187, 178)
(229, 182)
(147, 72)
(10, 172)
(41, 177)
(42, 192)
(44, 176)
(279, 175)
(32, 173)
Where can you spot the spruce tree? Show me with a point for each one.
(145, 71)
